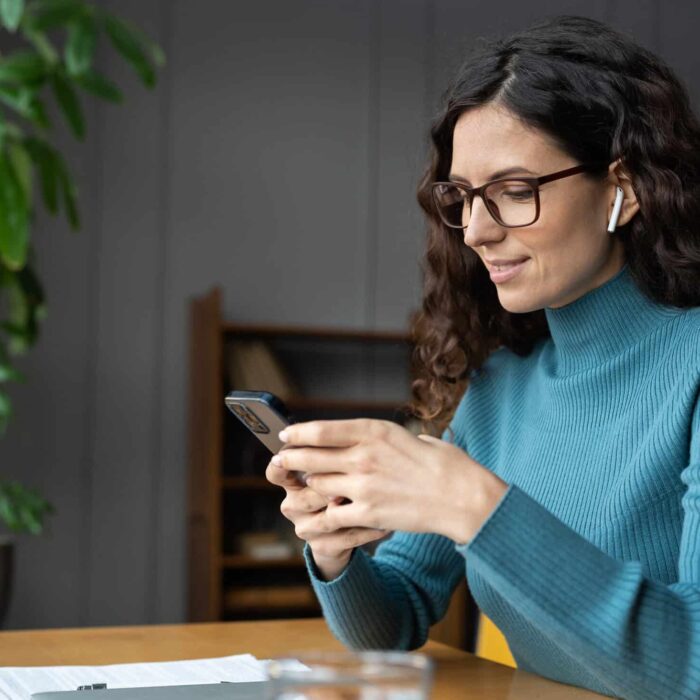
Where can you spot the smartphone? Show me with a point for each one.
(263, 413)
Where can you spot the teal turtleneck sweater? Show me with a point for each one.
(590, 562)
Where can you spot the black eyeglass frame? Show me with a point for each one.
(533, 182)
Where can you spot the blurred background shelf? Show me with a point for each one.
(244, 559)
(270, 597)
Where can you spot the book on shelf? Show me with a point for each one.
(252, 366)
(264, 546)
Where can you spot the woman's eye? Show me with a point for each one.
(520, 195)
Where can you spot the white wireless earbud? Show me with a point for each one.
(619, 196)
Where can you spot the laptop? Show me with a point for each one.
(250, 690)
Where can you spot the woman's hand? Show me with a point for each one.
(394, 480)
(304, 507)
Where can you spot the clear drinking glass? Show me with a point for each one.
(347, 675)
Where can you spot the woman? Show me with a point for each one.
(560, 336)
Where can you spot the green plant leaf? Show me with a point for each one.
(68, 191)
(7, 515)
(69, 103)
(24, 67)
(44, 159)
(80, 46)
(37, 113)
(49, 14)
(151, 47)
(13, 130)
(20, 337)
(11, 13)
(23, 509)
(126, 40)
(25, 102)
(22, 163)
(43, 46)
(31, 287)
(12, 329)
(10, 374)
(99, 85)
(17, 327)
(26, 308)
(14, 217)
(5, 411)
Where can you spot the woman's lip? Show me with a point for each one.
(498, 276)
(503, 261)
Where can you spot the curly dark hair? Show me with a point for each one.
(600, 97)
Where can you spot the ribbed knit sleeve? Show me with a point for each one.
(640, 638)
(390, 600)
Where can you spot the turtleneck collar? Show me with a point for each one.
(603, 323)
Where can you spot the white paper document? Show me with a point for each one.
(19, 683)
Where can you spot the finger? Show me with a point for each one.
(339, 517)
(327, 545)
(282, 477)
(333, 433)
(314, 459)
(333, 486)
(305, 501)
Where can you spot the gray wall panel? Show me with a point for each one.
(637, 18)
(678, 24)
(269, 157)
(402, 74)
(122, 537)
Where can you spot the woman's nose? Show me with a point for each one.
(482, 227)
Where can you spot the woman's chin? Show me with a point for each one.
(517, 303)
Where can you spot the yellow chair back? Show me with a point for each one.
(491, 644)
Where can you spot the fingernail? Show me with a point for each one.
(284, 436)
(276, 460)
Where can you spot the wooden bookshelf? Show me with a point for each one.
(229, 496)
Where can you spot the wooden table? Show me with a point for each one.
(458, 674)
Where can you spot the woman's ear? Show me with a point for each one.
(619, 178)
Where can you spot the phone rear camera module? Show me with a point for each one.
(259, 426)
(248, 417)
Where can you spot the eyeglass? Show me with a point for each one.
(512, 202)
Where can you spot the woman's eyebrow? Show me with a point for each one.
(494, 176)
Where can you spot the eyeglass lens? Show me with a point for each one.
(511, 202)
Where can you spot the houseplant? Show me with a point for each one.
(54, 44)
(22, 510)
